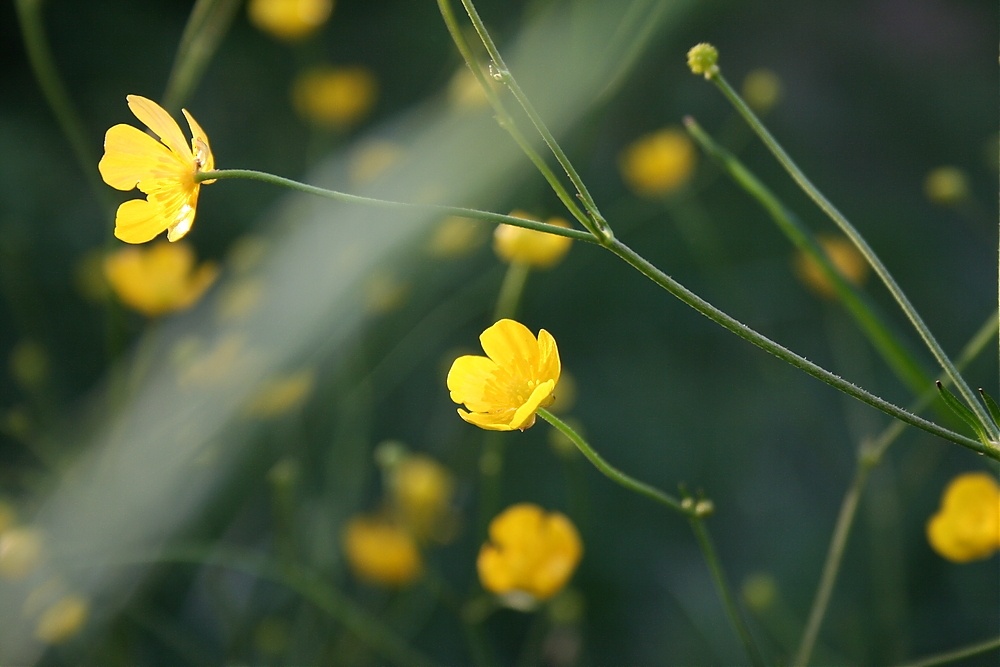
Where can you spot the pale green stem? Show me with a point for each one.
(503, 74)
(957, 654)
(878, 332)
(870, 455)
(29, 15)
(207, 25)
(506, 121)
(838, 218)
(511, 290)
(575, 234)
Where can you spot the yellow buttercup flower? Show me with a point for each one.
(381, 551)
(657, 164)
(517, 376)
(527, 246)
(164, 170)
(967, 526)
(761, 89)
(335, 96)
(420, 491)
(844, 256)
(159, 279)
(289, 19)
(946, 186)
(530, 555)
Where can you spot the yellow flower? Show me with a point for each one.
(946, 186)
(164, 170)
(421, 491)
(526, 246)
(845, 258)
(529, 553)
(967, 526)
(62, 620)
(289, 19)
(455, 236)
(159, 279)
(656, 164)
(334, 96)
(517, 376)
(761, 89)
(381, 552)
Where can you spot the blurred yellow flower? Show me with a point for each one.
(279, 395)
(289, 19)
(163, 170)
(657, 164)
(845, 258)
(420, 490)
(455, 236)
(946, 186)
(526, 246)
(373, 159)
(530, 554)
(62, 620)
(334, 96)
(381, 552)
(761, 89)
(159, 279)
(503, 390)
(20, 552)
(967, 526)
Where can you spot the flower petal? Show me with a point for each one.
(512, 346)
(199, 145)
(489, 421)
(139, 221)
(467, 381)
(132, 157)
(524, 417)
(548, 357)
(161, 123)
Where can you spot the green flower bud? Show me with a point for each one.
(702, 59)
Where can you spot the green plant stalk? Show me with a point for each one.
(506, 121)
(724, 590)
(862, 245)
(609, 471)
(502, 73)
(878, 332)
(575, 234)
(29, 15)
(870, 455)
(207, 25)
(957, 654)
(511, 290)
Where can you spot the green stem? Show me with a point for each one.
(892, 350)
(724, 590)
(957, 654)
(506, 121)
(501, 72)
(609, 471)
(838, 218)
(870, 455)
(207, 25)
(575, 234)
(511, 290)
(29, 15)
(743, 331)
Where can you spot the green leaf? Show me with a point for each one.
(991, 405)
(964, 413)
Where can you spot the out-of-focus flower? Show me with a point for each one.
(238, 299)
(420, 491)
(20, 551)
(967, 526)
(517, 376)
(456, 236)
(530, 555)
(289, 19)
(759, 591)
(29, 364)
(845, 258)
(384, 292)
(465, 92)
(657, 164)
(526, 246)
(761, 89)
(334, 96)
(159, 279)
(163, 170)
(372, 159)
(62, 620)
(281, 394)
(381, 552)
(210, 367)
(946, 186)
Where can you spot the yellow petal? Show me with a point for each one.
(549, 366)
(139, 221)
(200, 146)
(486, 420)
(524, 417)
(511, 345)
(160, 122)
(467, 380)
(132, 157)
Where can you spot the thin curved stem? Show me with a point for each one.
(957, 654)
(838, 218)
(206, 26)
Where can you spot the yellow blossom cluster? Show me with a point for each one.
(158, 279)
(844, 256)
(658, 164)
(538, 250)
(336, 97)
(967, 525)
(289, 20)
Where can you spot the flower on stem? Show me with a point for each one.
(335, 97)
(164, 170)
(659, 163)
(159, 279)
(703, 59)
(289, 19)
(380, 551)
(844, 256)
(967, 526)
(517, 376)
(420, 492)
(527, 246)
(530, 555)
